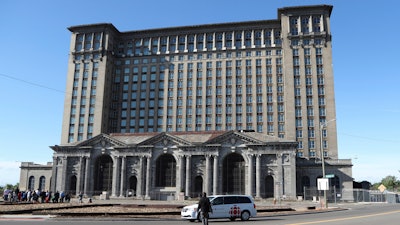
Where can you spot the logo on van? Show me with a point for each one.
(234, 211)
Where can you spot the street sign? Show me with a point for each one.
(323, 184)
(329, 175)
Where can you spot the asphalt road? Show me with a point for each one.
(368, 214)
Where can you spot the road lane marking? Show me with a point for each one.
(24, 217)
(346, 218)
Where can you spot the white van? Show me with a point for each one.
(224, 206)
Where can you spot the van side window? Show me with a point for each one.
(218, 201)
(230, 200)
(243, 200)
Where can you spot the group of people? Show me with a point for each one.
(35, 196)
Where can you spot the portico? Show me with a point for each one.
(157, 165)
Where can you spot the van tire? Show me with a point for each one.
(245, 215)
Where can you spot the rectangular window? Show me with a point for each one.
(299, 133)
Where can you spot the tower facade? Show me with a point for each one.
(271, 76)
(140, 103)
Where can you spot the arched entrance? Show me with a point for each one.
(233, 175)
(198, 186)
(166, 171)
(305, 183)
(72, 185)
(269, 186)
(132, 185)
(103, 174)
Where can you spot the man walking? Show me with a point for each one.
(205, 208)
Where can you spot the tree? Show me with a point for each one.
(391, 183)
(9, 187)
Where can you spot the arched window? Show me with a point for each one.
(103, 174)
(31, 183)
(42, 183)
(166, 171)
(234, 174)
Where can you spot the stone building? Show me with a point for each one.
(35, 176)
(127, 91)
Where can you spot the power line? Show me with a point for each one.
(31, 83)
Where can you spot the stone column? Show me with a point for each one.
(233, 40)
(148, 180)
(115, 173)
(214, 41)
(188, 175)
(279, 177)
(159, 45)
(181, 175)
(79, 176)
(64, 175)
(53, 175)
(195, 43)
(215, 175)
(262, 38)
(186, 43)
(123, 177)
(243, 38)
(273, 37)
(250, 174)
(167, 50)
(150, 45)
(204, 42)
(87, 176)
(207, 182)
(253, 36)
(258, 176)
(322, 27)
(140, 178)
(223, 40)
(177, 44)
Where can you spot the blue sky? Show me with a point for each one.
(34, 44)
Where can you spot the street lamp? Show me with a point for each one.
(322, 125)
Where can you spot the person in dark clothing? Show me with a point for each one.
(204, 208)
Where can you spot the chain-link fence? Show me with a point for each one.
(336, 195)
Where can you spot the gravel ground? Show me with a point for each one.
(160, 209)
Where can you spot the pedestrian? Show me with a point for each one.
(80, 196)
(68, 197)
(62, 196)
(204, 206)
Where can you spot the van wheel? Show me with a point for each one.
(245, 215)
